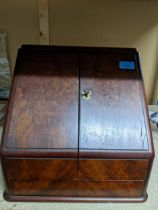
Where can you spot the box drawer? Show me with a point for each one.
(111, 188)
(40, 169)
(78, 188)
(112, 169)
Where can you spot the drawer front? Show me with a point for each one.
(56, 188)
(78, 188)
(111, 188)
(45, 170)
(112, 169)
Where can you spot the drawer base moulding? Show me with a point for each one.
(16, 198)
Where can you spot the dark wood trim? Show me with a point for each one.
(114, 154)
(35, 153)
(96, 154)
(149, 131)
(73, 199)
(145, 108)
(77, 49)
(148, 175)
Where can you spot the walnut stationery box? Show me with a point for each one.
(77, 126)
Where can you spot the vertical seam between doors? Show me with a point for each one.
(79, 115)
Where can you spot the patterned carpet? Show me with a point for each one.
(150, 204)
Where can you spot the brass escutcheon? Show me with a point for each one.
(86, 94)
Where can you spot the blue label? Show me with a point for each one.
(127, 65)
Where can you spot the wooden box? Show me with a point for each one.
(77, 126)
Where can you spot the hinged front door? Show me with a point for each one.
(111, 112)
(45, 101)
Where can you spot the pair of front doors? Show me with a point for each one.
(77, 101)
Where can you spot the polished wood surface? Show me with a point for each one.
(77, 127)
(113, 169)
(45, 106)
(41, 169)
(78, 188)
(38, 169)
(113, 118)
(48, 198)
(111, 189)
(64, 178)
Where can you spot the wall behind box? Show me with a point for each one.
(120, 23)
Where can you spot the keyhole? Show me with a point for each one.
(86, 94)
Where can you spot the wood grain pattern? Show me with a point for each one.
(40, 169)
(102, 170)
(111, 189)
(45, 108)
(61, 177)
(113, 118)
(70, 169)
(75, 188)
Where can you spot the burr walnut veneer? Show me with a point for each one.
(77, 127)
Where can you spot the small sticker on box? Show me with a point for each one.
(127, 65)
